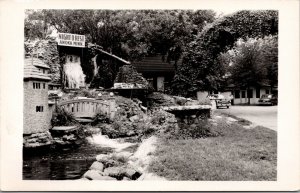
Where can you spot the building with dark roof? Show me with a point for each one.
(253, 93)
(36, 111)
(159, 73)
(242, 95)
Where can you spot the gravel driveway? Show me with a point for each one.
(260, 115)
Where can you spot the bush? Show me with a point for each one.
(202, 129)
(62, 118)
(100, 118)
(84, 93)
(200, 68)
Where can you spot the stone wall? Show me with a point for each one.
(190, 114)
(37, 140)
(35, 122)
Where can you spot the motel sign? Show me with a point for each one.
(73, 40)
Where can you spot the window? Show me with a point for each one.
(267, 91)
(39, 108)
(43, 71)
(37, 85)
(258, 93)
(250, 93)
(44, 85)
(237, 94)
(243, 94)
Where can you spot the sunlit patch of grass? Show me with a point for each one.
(238, 154)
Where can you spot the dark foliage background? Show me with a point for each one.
(201, 69)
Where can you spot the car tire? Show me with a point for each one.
(227, 107)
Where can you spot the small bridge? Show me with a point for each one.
(89, 107)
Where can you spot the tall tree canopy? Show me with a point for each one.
(201, 68)
(252, 62)
(130, 34)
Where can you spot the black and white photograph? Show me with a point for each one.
(150, 94)
(156, 95)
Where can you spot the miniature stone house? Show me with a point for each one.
(36, 111)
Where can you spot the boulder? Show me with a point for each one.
(92, 175)
(32, 140)
(97, 166)
(107, 160)
(130, 133)
(102, 157)
(116, 172)
(36, 144)
(122, 172)
(134, 118)
(132, 173)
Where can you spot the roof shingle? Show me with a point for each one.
(36, 62)
(153, 64)
(31, 70)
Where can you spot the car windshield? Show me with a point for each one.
(221, 97)
(266, 96)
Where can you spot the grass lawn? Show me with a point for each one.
(238, 154)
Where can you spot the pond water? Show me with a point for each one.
(65, 164)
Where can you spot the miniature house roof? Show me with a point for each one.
(37, 62)
(32, 69)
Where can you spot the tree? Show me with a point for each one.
(130, 34)
(127, 33)
(252, 62)
(270, 59)
(201, 68)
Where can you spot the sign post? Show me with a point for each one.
(72, 40)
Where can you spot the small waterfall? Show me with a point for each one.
(104, 141)
(74, 77)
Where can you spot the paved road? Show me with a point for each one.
(260, 115)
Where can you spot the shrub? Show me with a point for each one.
(84, 93)
(100, 118)
(202, 129)
(62, 118)
(200, 69)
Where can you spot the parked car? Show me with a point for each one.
(268, 99)
(220, 100)
(213, 96)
